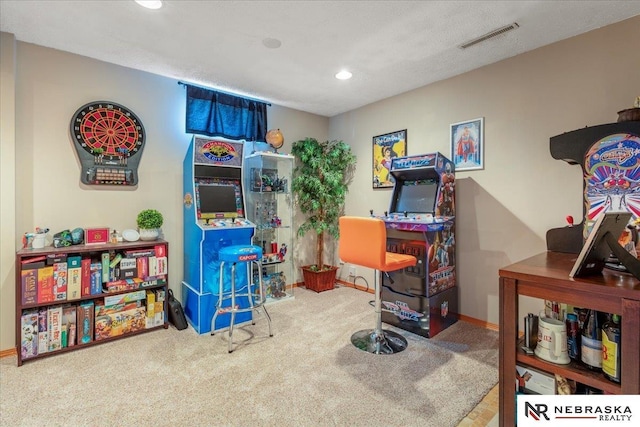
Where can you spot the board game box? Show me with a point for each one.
(85, 323)
(96, 235)
(29, 286)
(69, 319)
(43, 331)
(29, 334)
(45, 285)
(120, 323)
(55, 328)
(60, 281)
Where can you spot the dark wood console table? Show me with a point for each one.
(546, 276)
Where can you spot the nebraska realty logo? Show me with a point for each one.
(577, 410)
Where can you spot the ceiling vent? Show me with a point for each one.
(489, 35)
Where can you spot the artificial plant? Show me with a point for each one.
(149, 219)
(320, 183)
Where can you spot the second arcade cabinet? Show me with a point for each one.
(421, 222)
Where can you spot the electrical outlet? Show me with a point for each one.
(352, 271)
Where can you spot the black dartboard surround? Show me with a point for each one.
(109, 139)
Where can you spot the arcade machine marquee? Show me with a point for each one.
(421, 222)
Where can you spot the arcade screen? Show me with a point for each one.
(218, 200)
(417, 196)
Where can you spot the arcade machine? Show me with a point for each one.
(421, 222)
(610, 161)
(214, 217)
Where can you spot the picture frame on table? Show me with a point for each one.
(466, 140)
(386, 147)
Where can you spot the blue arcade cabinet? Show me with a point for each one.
(213, 218)
(421, 222)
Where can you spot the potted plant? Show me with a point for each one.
(149, 222)
(320, 185)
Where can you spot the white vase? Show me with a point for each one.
(149, 233)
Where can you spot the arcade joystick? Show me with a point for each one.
(406, 214)
(569, 219)
(371, 212)
(386, 214)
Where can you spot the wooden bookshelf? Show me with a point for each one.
(85, 251)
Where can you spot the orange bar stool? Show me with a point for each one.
(363, 241)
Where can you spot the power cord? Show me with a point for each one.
(360, 277)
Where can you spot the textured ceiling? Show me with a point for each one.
(390, 46)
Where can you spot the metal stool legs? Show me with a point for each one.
(378, 340)
(250, 294)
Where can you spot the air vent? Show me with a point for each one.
(489, 35)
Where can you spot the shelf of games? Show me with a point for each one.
(79, 296)
(269, 207)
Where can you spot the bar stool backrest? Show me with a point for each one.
(363, 241)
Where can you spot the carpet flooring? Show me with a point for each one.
(307, 374)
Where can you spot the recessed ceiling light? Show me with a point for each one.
(343, 75)
(150, 4)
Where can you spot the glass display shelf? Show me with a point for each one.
(269, 206)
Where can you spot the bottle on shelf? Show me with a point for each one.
(573, 336)
(591, 347)
(611, 348)
(585, 389)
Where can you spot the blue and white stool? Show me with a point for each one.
(250, 256)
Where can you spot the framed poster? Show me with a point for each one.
(386, 147)
(467, 144)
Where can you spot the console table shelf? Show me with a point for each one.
(546, 276)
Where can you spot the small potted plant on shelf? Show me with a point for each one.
(149, 222)
(320, 183)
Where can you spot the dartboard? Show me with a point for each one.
(107, 130)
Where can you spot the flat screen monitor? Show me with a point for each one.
(217, 200)
(598, 247)
(417, 196)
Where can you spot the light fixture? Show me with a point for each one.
(343, 75)
(150, 4)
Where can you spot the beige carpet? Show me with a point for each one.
(308, 374)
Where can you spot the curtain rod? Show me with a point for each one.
(226, 93)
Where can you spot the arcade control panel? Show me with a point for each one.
(225, 223)
(406, 221)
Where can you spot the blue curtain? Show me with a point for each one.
(220, 114)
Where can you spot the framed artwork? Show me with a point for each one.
(386, 147)
(467, 144)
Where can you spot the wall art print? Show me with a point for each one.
(467, 144)
(385, 148)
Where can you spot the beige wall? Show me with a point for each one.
(50, 86)
(7, 188)
(504, 211)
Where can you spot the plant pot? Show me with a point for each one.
(149, 234)
(319, 281)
